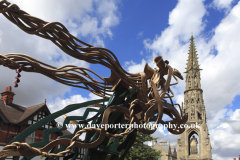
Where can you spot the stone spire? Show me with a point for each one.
(174, 151)
(169, 149)
(193, 100)
(192, 70)
(192, 56)
(194, 107)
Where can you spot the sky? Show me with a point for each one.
(136, 32)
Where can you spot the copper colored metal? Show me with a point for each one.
(153, 88)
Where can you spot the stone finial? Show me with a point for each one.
(174, 151)
(169, 148)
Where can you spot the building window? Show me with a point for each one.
(29, 122)
(31, 138)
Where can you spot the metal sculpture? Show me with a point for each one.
(132, 98)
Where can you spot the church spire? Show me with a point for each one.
(192, 56)
(192, 70)
(194, 107)
(193, 99)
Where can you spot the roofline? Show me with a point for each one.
(31, 115)
(8, 92)
(20, 108)
(3, 115)
(44, 107)
(4, 118)
(35, 105)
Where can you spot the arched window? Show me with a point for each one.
(193, 147)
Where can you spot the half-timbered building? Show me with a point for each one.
(15, 118)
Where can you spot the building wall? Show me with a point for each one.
(164, 153)
(13, 132)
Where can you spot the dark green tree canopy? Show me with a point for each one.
(141, 151)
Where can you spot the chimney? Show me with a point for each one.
(7, 96)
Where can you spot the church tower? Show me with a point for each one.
(194, 142)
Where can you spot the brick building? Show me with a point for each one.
(15, 118)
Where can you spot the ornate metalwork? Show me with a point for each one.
(132, 98)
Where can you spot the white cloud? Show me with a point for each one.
(220, 79)
(182, 21)
(236, 115)
(89, 25)
(132, 67)
(222, 4)
(225, 41)
(179, 99)
(108, 11)
(107, 17)
(215, 121)
(60, 103)
(87, 19)
(218, 57)
(224, 145)
(214, 84)
(56, 10)
(165, 137)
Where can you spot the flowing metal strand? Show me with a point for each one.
(59, 35)
(152, 89)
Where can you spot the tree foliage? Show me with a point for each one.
(141, 151)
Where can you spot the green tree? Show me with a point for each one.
(141, 151)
